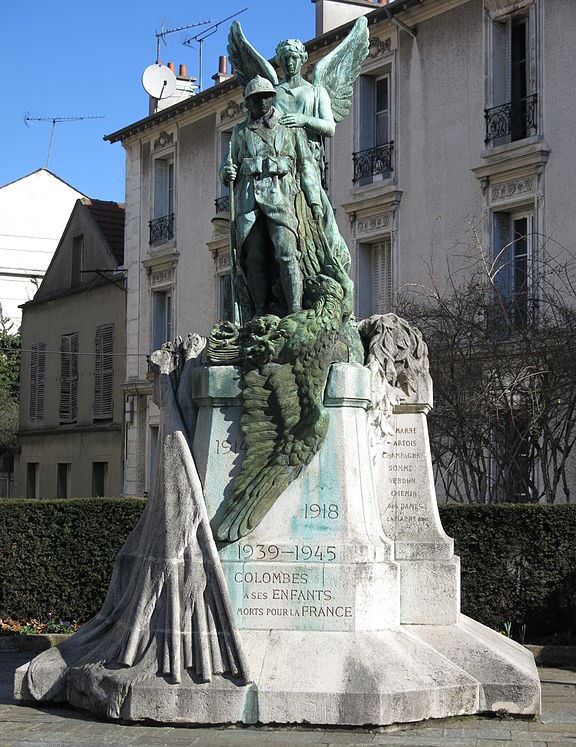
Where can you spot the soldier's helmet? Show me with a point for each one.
(261, 86)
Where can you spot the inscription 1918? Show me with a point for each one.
(321, 511)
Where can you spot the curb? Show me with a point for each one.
(553, 656)
(35, 644)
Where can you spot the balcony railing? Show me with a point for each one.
(373, 162)
(515, 120)
(222, 204)
(161, 229)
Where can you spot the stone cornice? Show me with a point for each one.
(514, 158)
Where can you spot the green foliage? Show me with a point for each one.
(9, 364)
(9, 384)
(518, 561)
(56, 556)
(518, 564)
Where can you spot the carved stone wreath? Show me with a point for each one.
(232, 110)
(379, 47)
(163, 139)
(373, 223)
(510, 189)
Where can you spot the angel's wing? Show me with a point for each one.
(247, 62)
(340, 68)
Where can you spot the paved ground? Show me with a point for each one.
(22, 726)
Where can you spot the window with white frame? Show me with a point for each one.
(375, 278)
(68, 410)
(513, 234)
(373, 160)
(161, 317)
(513, 105)
(103, 407)
(37, 381)
(162, 223)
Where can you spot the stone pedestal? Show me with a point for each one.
(319, 559)
(429, 570)
(344, 618)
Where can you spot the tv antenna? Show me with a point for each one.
(204, 34)
(55, 121)
(164, 32)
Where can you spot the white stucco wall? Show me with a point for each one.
(33, 214)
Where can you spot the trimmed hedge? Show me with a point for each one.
(518, 561)
(518, 564)
(56, 556)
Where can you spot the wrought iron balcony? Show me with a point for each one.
(515, 120)
(222, 204)
(373, 162)
(161, 229)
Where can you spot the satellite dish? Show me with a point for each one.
(159, 81)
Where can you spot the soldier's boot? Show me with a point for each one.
(291, 279)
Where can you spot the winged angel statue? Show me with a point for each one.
(317, 106)
(286, 360)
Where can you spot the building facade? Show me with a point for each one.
(33, 213)
(73, 363)
(460, 134)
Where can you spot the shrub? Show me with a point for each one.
(56, 556)
(518, 564)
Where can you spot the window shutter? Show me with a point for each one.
(367, 112)
(381, 277)
(37, 380)
(503, 256)
(65, 362)
(160, 188)
(104, 373)
(69, 378)
(501, 61)
(74, 377)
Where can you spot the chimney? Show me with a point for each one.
(182, 71)
(222, 73)
(333, 13)
(171, 66)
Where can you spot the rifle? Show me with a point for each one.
(236, 312)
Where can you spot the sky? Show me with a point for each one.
(65, 59)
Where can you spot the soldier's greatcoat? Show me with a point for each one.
(274, 162)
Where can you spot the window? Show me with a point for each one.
(512, 251)
(99, 479)
(162, 224)
(374, 157)
(104, 373)
(77, 264)
(32, 480)
(375, 292)
(225, 297)
(63, 480)
(37, 381)
(513, 112)
(513, 461)
(161, 318)
(152, 456)
(69, 378)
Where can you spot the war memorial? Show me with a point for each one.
(290, 565)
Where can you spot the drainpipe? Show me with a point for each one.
(397, 22)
